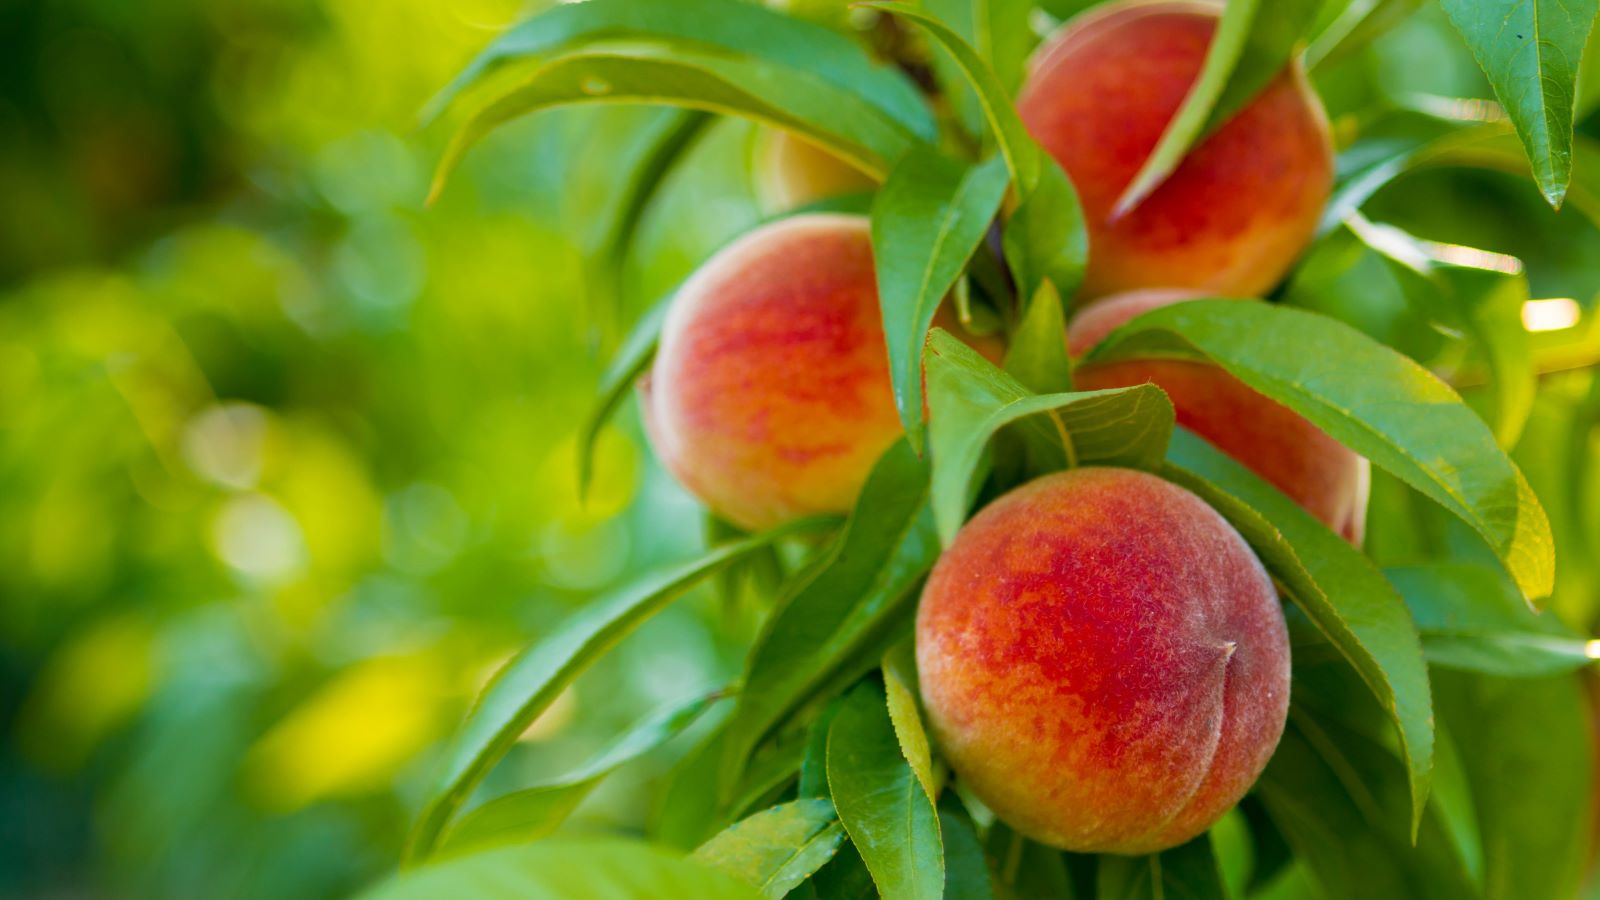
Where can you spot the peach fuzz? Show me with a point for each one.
(1326, 478)
(1242, 206)
(790, 171)
(1104, 661)
(770, 396)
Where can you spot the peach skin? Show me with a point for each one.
(1240, 208)
(1104, 661)
(770, 398)
(1328, 479)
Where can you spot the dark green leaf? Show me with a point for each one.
(890, 818)
(1371, 399)
(1253, 42)
(1471, 618)
(1188, 872)
(534, 812)
(777, 848)
(1337, 587)
(855, 592)
(814, 765)
(1527, 752)
(1024, 869)
(928, 220)
(565, 868)
(969, 400)
(966, 870)
(840, 121)
(1530, 49)
(533, 679)
(729, 25)
(1037, 354)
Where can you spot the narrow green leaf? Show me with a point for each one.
(862, 584)
(1046, 237)
(778, 848)
(1037, 354)
(1338, 588)
(1253, 42)
(1531, 49)
(1371, 399)
(1189, 872)
(564, 868)
(633, 358)
(533, 679)
(927, 221)
(1358, 25)
(1004, 38)
(1471, 618)
(534, 812)
(969, 400)
(900, 684)
(1528, 755)
(727, 25)
(890, 818)
(836, 119)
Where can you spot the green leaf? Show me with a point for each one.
(1000, 33)
(836, 119)
(1025, 869)
(890, 818)
(1037, 353)
(1189, 872)
(633, 358)
(1528, 755)
(853, 595)
(1471, 618)
(533, 679)
(900, 684)
(1046, 237)
(1371, 399)
(969, 400)
(1357, 26)
(727, 25)
(535, 812)
(966, 870)
(778, 848)
(1253, 42)
(928, 220)
(814, 765)
(564, 868)
(1531, 49)
(1338, 588)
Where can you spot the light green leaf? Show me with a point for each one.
(1189, 872)
(1037, 353)
(638, 350)
(890, 818)
(1253, 42)
(1531, 49)
(533, 679)
(969, 400)
(927, 221)
(900, 684)
(778, 848)
(1338, 588)
(727, 25)
(1369, 398)
(1359, 24)
(1471, 618)
(564, 868)
(853, 595)
(836, 119)
(535, 812)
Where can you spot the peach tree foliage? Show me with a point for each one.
(1434, 746)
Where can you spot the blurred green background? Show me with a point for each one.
(287, 458)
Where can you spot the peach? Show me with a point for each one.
(1236, 212)
(1104, 661)
(1326, 478)
(770, 397)
(790, 171)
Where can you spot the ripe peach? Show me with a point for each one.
(1241, 207)
(1104, 661)
(770, 397)
(1328, 479)
(791, 171)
